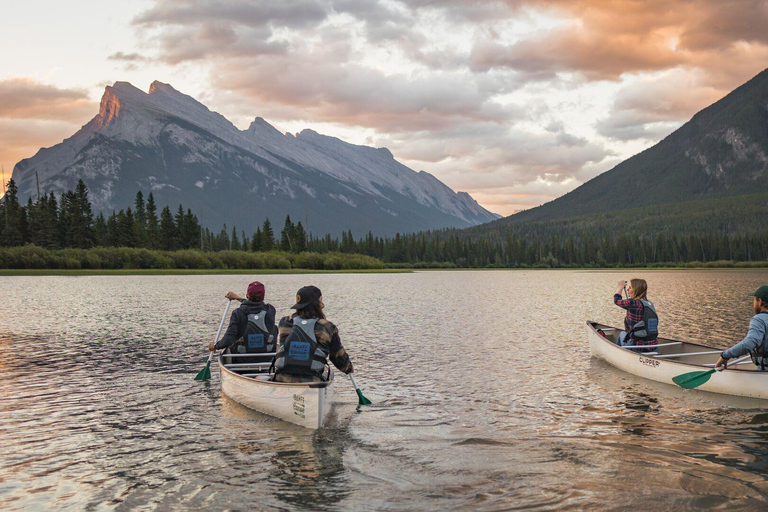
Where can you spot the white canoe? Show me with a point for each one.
(672, 358)
(304, 404)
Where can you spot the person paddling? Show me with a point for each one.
(252, 327)
(307, 340)
(756, 342)
(641, 323)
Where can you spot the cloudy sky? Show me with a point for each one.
(516, 102)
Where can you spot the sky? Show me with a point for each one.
(516, 102)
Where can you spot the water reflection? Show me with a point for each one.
(488, 399)
(300, 466)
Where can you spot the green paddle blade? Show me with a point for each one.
(205, 373)
(693, 379)
(362, 399)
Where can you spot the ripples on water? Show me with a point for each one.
(484, 393)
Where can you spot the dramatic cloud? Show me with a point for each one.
(575, 50)
(35, 115)
(652, 107)
(21, 98)
(446, 84)
(23, 138)
(516, 101)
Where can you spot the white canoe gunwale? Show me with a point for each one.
(302, 403)
(744, 380)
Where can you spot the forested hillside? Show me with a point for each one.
(722, 151)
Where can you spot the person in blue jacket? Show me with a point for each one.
(756, 341)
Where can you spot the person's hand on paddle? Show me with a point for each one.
(233, 296)
(212, 346)
(721, 362)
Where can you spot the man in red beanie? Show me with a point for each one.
(252, 326)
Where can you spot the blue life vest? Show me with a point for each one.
(646, 329)
(301, 354)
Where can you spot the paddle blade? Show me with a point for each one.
(693, 379)
(205, 373)
(362, 399)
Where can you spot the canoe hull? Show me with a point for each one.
(734, 382)
(302, 404)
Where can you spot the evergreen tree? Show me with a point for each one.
(221, 242)
(167, 230)
(113, 236)
(234, 242)
(191, 231)
(178, 220)
(11, 234)
(140, 220)
(287, 235)
(256, 240)
(300, 238)
(43, 222)
(100, 230)
(67, 214)
(84, 235)
(153, 230)
(34, 221)
(126, 227)
(51, 223)
(267, 236)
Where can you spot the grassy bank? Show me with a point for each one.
(188, 272)
(33, 258)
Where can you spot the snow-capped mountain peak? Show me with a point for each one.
(169, 143)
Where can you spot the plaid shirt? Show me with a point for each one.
(635, 310)
(327, 336)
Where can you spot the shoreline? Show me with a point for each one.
(299, 271)
(188, 272)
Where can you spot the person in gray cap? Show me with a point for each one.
(307, 340)
(756, 342)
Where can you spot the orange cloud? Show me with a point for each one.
(22, 98)
(35, 115)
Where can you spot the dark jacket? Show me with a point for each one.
(239, 320)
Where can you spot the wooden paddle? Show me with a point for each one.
(695, 379)
(205, 373)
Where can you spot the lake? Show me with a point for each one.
(484, 396)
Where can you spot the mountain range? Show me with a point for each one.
(710, 174)
(168, 143)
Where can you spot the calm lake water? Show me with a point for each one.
(485, 396)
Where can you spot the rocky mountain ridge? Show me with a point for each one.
(170, 144)
(721, 152)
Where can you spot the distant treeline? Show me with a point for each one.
(63, 233)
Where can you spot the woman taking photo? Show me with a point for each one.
(641, 324)
(307, 340)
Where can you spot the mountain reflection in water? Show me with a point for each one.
(484, 393)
